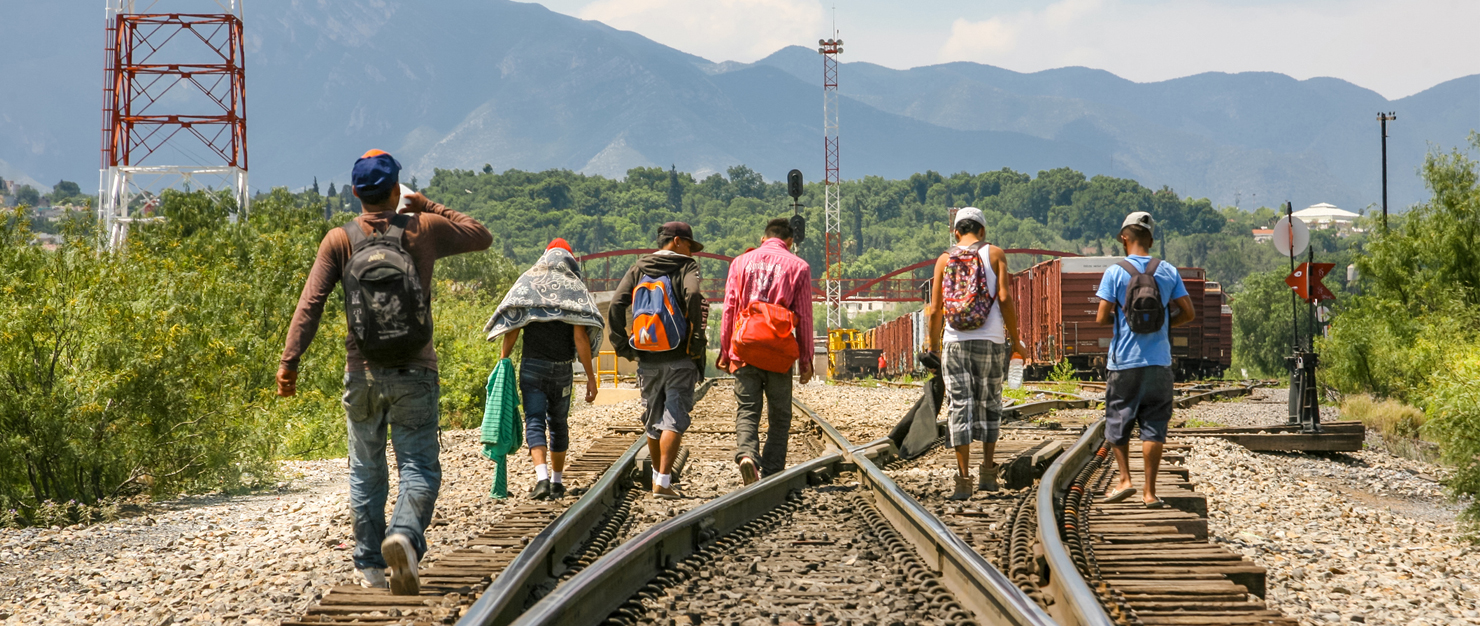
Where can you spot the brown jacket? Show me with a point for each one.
(434, 232)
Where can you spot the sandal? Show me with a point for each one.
(1156, 504)
(1117, 496)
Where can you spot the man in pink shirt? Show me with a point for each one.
(769, 274)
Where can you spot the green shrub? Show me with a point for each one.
(1452, 409)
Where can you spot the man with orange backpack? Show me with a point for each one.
(766, 328)
(972, 311)
(658, 317)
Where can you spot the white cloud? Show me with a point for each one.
(720, 30)
(1394, 48)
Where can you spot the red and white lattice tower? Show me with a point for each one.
(174, 108)
(832, 203)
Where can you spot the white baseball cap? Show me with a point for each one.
(970, 213)
(1139, 218)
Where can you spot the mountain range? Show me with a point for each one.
(464, 83)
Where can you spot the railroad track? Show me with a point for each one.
(522, 541)
(760, 552)
(1132, 565)
(619, 509)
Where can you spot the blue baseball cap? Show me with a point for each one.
(376, 173)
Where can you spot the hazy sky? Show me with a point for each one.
(1395, 47)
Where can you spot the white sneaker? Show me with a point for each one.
(374, 578)
(402, 558)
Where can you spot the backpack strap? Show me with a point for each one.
(1152, 265)
(397, 227)
(356, 235)
(1130, 268)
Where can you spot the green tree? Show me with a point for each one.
(28, 195)
(1263, 323)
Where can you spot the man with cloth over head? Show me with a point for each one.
(560, 322)
(400, 395)
(1138, 385)
(768, 276)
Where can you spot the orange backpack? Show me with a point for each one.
(764, 337)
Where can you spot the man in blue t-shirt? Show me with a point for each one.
(1138, 386)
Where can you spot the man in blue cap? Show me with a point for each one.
(388, 382)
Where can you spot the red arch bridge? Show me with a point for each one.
(901, 285)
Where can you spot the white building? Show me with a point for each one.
(1325, 215)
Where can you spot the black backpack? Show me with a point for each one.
(389, 316)
(1144, 311)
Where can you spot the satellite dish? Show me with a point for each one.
(1291, 236)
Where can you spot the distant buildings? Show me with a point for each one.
(1326, 216)
(1323, 216)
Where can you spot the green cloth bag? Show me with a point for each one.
(503, 428)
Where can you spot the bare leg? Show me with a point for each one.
(963, 460)
(1123, 461)
(1151, 456)
(557, 461)
(989, 454)
(669, 448)
(655, 453)
(537, 454)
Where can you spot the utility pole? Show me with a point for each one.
(1383, 119)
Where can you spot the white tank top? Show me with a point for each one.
(994, 330)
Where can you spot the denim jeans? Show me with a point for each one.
(545, 386)
(404, 401)
(753, 386)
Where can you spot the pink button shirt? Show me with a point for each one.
(770, 273)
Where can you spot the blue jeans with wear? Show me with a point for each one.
(403, 401)
(545, 386)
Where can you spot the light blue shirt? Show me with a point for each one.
(1129, 349)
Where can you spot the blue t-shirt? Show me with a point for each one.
(1129, 350)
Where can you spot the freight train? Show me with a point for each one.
(1056, 306)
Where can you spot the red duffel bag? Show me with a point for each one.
(764, 337)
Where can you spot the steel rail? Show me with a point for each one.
(590, 596)
(541, 561)
(978, 586)
(1075, 604)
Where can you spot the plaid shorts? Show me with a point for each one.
(973, 372)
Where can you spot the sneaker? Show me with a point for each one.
(667, 493)
(374, 578)
(401, 556)
(557, 491)
(540, 491)
(748, 473)
(963, 489)
(986, 478)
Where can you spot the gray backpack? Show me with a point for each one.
(389, 316)
(1144, 311)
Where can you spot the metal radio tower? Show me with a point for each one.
(174, 91)
(833, 194)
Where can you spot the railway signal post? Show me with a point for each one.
(1291, 238)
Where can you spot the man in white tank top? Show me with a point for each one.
(974, 362)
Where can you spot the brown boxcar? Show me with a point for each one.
(1062, 307)
(1187, 340)
(1213, 350)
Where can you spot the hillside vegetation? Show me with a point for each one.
(149, 371)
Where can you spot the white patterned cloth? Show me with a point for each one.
(551, 291)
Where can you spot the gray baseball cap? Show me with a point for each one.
(970, 213)
(1139, 218)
